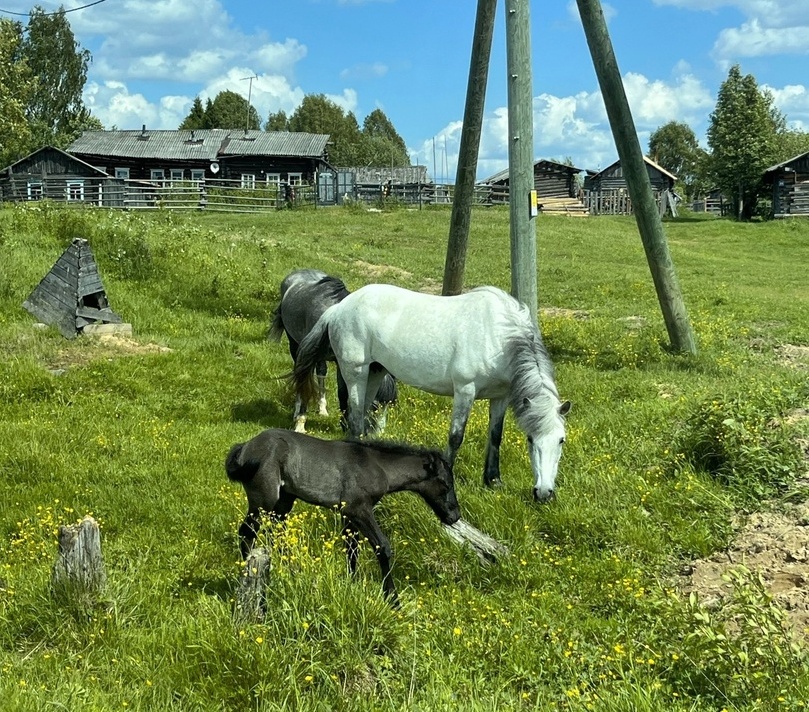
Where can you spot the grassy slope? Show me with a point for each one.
(579, 617)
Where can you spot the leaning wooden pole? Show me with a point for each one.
(455, 264)
(521, 154)
(640, 189)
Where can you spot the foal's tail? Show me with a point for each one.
(238, 470)
(314, 348)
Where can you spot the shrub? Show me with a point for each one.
(741, 439)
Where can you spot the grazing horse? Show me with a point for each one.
(479, 345)
(279, 466)
(305, 295)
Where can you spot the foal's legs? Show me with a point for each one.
(248, 531)
(497, 414)
(462, 401)
(366, 523)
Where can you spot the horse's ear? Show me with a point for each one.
(564, 409)
(526, 402)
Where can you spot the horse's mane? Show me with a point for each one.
(334, 288)
(533, 395)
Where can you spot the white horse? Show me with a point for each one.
(478, 345)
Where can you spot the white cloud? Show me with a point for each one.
(771, 27)
(575, 126)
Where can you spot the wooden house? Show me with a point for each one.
(612, 178)
(251, 158)
(50, 173)
(790, 186)
(551, 179)
(606, 192)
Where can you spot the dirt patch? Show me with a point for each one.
(794, 355)
(106, 346)
(774, 544)
(382, 271)
(561, 313)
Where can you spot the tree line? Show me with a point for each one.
(43, 71)
(376, 144)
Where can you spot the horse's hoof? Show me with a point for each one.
(300, 426)
(496, 483)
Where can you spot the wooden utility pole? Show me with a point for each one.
(634, 167)
(521, 155)
(455, 264)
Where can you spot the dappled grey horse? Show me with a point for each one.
(305, 295)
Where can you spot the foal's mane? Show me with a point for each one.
(391, 447)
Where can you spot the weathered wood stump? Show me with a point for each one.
(251, 596)
(78, 577)
(487, 548)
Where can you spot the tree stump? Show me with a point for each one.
(487, 548)
(251, 596)
(78, 577)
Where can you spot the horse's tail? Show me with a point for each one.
(388, 391)
(238, 470)
(315, 348)
(276, 324)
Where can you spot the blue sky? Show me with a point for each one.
(411, 59)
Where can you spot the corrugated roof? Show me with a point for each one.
(201, 144)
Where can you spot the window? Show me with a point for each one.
(273, 179)
(122, 173)
(197, 174)
(295, 178)
(177, 173)
(248, 180)
(75, 190)
(34, 190)
(157, 175)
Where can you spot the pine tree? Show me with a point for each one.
(195, 118)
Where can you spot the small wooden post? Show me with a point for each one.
(78, 578)
(251, 596)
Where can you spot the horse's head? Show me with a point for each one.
(545, 449)
(438, 488)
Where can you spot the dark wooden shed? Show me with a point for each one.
(54, 174)
(551, 179)
(612, 178)
(790, 186)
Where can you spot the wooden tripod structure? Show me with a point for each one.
(521, 161)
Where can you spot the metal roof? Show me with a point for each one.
(200, 144)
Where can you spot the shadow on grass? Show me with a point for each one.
(267, 413)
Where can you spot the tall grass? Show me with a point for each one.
(584, 614)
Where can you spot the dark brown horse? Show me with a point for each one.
(279, 466)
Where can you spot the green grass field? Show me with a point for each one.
(585, 614)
